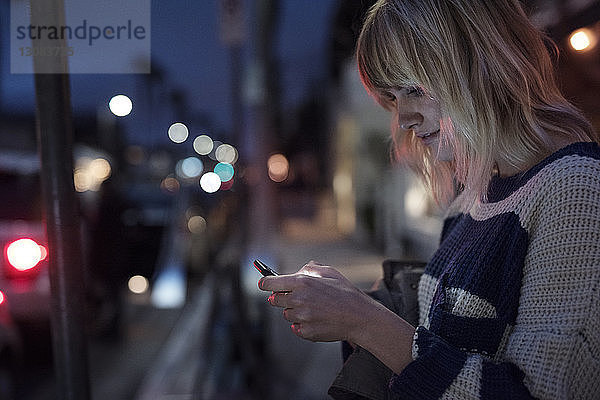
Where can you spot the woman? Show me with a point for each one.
(509, 304)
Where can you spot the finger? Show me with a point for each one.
(281, 299)
(285, 283)
(280, 283)
(295, 315)
(303, 331)
(314, 268)
(297, 329)
(289, 315)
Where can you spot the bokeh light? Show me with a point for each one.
(90, 173)
(82, 180)
(100, 169)
(203, 145)
(225, 171)
(24, 254)
(226, 153)
(169, 289)
(278, 167)
(210, 182)
(227, 185)
(196, 224)
(582, 39)
(170, 184)
(189, 168)
(138, 284)
(192, 167)
(120, 105)
(178, 132)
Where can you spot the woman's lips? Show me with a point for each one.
(429, 138)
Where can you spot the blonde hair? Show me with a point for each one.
(492, 73)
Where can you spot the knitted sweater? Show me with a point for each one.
(509, 304)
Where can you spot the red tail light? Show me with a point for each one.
(1, 297)
(25, 254)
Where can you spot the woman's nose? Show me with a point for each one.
(409, 120)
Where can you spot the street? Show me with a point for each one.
(116, 366)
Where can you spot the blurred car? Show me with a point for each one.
(23, 265)
(10, 352)
(24, 268)
(122, 227)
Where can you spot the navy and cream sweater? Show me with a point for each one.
(509, 304)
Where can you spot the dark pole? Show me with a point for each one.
(262, 212)
(54, 132)
(237, 106)
(233, 35)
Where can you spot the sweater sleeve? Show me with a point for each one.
(441, 371)
(553, 350)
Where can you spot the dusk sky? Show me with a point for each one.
(185, 44)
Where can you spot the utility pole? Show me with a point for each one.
(263, 196)
(233, 35)
(55, 142)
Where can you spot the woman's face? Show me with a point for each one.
(416, 113)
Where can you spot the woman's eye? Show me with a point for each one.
(388, 96)
(415, 91)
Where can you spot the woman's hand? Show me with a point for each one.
(320, 302)
(323, 305)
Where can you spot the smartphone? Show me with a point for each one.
(264, 269)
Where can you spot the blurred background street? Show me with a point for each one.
(241, 131)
